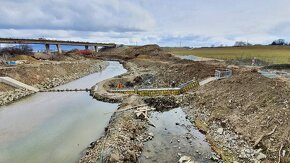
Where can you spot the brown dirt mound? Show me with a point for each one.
(180, 71)
(74, 55)
(253, 105)
(147, 51)
(23, 57)
(42, 56)
(5, 87)
(152, 50)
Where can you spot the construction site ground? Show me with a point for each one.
(245, 117)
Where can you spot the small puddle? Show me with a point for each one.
(175, 136)
(190, 57)
(274, 73)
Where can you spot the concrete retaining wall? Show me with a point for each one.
(193, 84)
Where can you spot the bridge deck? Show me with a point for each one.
(54, 42)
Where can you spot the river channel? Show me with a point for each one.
(55, 126)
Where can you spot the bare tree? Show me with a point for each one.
(13, 51)
(242, 43)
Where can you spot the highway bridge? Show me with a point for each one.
(58, 43)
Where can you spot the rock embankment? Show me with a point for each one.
(123, 139)
(48, 79)
(7, 97)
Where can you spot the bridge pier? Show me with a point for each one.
(96, 48)
(58, 46)
(47, 48)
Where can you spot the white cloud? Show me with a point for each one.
(85, 15)
(166, 22)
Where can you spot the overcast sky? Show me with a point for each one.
(165, 22)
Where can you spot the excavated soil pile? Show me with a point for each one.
(162, 103)
(74, 56)
(23, 57)
(147, 51)
(37, 74)
(253, 106)
(165, 67)
(177, 70)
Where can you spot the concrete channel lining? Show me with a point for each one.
(17, 84)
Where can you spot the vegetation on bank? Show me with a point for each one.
(270, 54)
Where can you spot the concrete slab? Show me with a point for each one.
(207, 80)
(17, 84)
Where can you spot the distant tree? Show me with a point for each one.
(279, 42)
(242, 43)
(20, 50)
(26, 49)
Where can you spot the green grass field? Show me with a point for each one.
(270, 54)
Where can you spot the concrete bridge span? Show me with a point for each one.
(58, 43)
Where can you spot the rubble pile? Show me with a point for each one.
(162, 103)
(122, 142)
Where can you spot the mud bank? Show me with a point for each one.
(123, 138)
(246, 116)
(48, 76)
(223, 139)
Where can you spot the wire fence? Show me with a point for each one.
(220, 74)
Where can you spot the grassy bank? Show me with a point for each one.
(271, 54)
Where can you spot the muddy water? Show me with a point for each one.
(174, 137)
(274, 73)
(55, 127)
(190, 57)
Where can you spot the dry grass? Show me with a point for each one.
(271, 54)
